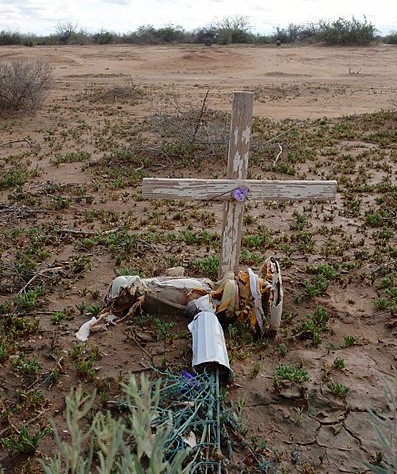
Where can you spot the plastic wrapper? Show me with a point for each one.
(209, 346)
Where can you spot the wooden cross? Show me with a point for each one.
(236, 188)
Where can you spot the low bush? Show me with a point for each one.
(23, 85)
(391, 38)
(103, 37)
(345, 32)
(294, 34)
(106, 444)
(69, 33)
(8, 37)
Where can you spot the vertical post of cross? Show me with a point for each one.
(233, 210)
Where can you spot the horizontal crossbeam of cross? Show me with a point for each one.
(222, 189)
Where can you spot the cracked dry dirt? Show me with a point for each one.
(53, 217)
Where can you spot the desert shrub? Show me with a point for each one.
(115, 445)
(29, 40)
(205, 35)
(148, 34)
(23, 84)
(69, 33)
(264, 39)
(171, 34)
(294, 34)
(391, 38)
(345, 32)
(8, 37)
(188, 132)
(143, 35)
(103, 37)
(234, 29)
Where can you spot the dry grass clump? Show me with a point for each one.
(23, 84)
(127, 91)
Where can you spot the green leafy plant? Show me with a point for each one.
(282, 349)
(164, 330)
(327, 271)
(85, 354)
(85, 369)
(300, 222)
(339, 363)
(286, 374)
(16, 175)
(4, 351)
(93, 310)
(72, 157)
(255, 369)
(208, 266)
(26, 367)
(313, 288)
(30, 299)
(318, 285)
(314, 326)
(58, 316)
(349, 341)
(338, 389)
(24, 442)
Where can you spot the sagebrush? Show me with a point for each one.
(24, 84)
(107, 444)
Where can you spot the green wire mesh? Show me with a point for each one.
(192, 403)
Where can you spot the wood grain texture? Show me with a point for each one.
(237, 168)
(220, 189)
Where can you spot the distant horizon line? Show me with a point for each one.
(252, 30)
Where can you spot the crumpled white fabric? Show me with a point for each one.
(84, 331)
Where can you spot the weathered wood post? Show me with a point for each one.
(237, 168)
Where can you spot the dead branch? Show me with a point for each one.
(38, 416)
(384, 265)
(86, 232)
(29, 142)
(27, 313)
(37, 275)
(132, 336)
(200, 118)
(21, 210)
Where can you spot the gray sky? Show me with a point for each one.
(121, 16)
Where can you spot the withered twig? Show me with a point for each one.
(384, 265)
(29, 422)
(198, 123)
(27, 210)
(132, 336)
(29, 142)
(86, 232)
(37, 275)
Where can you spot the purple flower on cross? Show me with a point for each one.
(240, 194)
